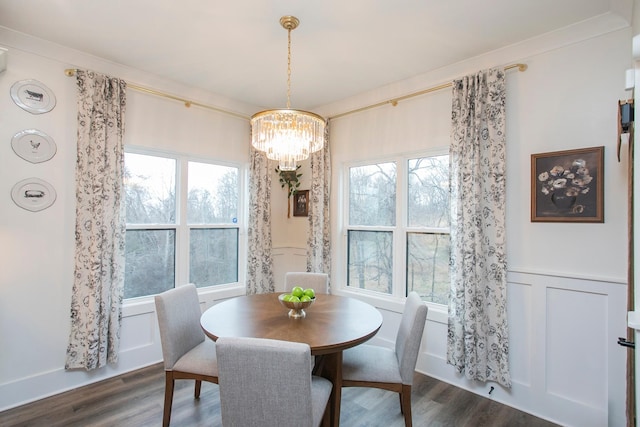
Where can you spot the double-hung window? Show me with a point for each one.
(183, 222)
(398, 227)
(427, 228)
(371, 226)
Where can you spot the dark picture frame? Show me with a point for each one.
(301, 203)
(568, 186)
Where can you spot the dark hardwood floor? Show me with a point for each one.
(135, 399)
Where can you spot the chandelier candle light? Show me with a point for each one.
(287, 135)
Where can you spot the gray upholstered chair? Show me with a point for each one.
(318, 281)
(268, 383)
(390, 369)
(188, 354)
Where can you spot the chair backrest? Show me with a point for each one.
(318, 281)
(409, 335)
(179, 314)
(264, 382)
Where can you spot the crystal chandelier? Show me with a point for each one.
(287, 135)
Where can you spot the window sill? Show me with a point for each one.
(437, 313)
(145, 305)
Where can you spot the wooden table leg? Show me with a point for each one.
(332, 370)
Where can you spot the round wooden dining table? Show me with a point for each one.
(332, 324)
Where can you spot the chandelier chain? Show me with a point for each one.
(288, 68)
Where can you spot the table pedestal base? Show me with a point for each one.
(331, 368)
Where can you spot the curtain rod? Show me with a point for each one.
(394, 101)
(187, 103)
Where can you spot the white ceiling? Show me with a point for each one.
(341, 48)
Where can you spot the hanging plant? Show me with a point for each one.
(290, 179)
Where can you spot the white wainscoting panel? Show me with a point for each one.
(565, 363)
(577, 344)
(287, 259)
(138, 331)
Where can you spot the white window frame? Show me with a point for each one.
(395, 300)
(183, 229)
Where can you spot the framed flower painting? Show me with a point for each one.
(568, 186)
(301, 203)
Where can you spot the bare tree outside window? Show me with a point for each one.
(152, 210)
(372, 203)
(375, 237)
(213, 194)
(150, 204)
(372, 195)
(213, 199)
(428, 228)
(149, 262)
(370, 260)
(428, 192)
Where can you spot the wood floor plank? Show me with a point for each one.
(135, 399)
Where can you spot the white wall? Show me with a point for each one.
(567, 282)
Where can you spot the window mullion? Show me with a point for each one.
(182, 237)
(399, 238)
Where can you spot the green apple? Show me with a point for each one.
(310, 293)
(294, 299)
(305, 298)
(297, 291)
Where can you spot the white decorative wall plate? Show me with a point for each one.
(33, 194)
(33, 96)
(33, 146)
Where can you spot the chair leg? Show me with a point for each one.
(168, 398)
(405, 404)
(196, 393)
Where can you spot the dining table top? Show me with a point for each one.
(332, 323)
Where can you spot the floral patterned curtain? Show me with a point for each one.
(319, 241)
(477, 342)
(259, 259)
(96, 302)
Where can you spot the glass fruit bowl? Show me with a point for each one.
(296, 308)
